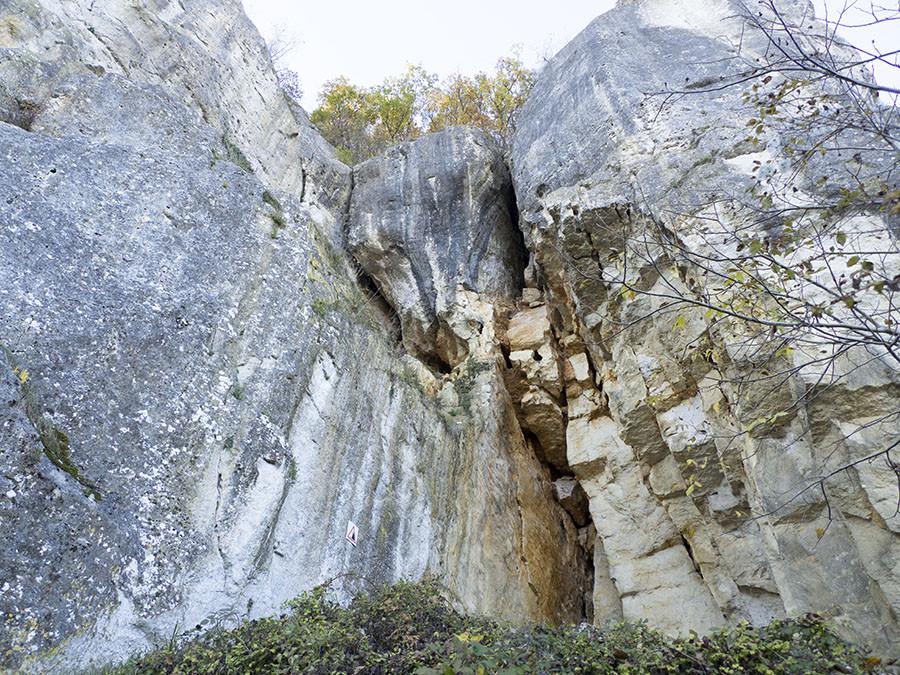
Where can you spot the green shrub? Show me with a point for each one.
(411, 628)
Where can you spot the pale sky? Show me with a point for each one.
(368, 41)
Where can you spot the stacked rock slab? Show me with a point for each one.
(197, 396)
(596, 154)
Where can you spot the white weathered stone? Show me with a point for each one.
(529, 329)
(664, 589)
(588, 402)
(539, 366)
(531, 295)
(581, 369)
(690, 394)
(591, 443)
(666, 479)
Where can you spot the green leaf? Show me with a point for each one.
(841, 238)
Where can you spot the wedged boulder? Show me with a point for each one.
(571, 495)
(430, 218)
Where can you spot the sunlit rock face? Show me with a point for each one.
(197, 395)
(672, 437)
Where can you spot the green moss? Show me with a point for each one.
(270, 199)
(411, 628)
(278, 223)
(292, 469)
(465, 383)
(323, 307)
(236, 156)
(56, 449)
(54, 441)
(326, 250)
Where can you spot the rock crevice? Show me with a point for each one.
(470, 389)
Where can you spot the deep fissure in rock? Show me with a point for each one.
(538, 381)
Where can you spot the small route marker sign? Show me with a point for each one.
(352, 533)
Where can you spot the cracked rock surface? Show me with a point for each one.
(199, 388)
(197, 396)
(429, 218)
(662, 435)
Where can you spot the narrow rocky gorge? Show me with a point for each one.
(220, 345)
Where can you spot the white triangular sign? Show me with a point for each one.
(352, 532)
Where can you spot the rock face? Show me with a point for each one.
(169, 43)
(662, 431)
(199, 389)
(432, 219)
(197, 396)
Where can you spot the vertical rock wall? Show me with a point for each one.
(198, 395)
(665, 434)
(201, 390)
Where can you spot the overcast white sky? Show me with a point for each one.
(368, 41)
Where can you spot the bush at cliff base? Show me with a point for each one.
(411, 628)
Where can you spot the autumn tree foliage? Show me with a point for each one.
(362, 121)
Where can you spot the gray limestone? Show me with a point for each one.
(197, 394)
(431, 216)
(600, 154)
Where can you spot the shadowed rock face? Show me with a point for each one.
(428, 218)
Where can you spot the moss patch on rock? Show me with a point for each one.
(54, 441)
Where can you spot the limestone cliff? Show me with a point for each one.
(220, 345)
(663, 425)
(199, 394)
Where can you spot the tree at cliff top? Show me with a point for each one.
(361, 122)
(800, 273)
(280, 46)
(489, 102)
